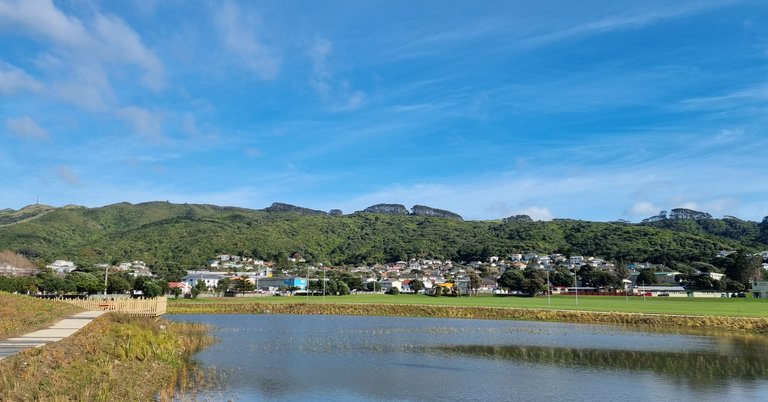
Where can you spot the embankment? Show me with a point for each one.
(649, 321)
(113, 358)
(23, 314)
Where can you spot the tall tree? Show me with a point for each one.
(743, 267)
(646, 277)
(416, 285)
(511, 279)
(764, 230)
(474, 281)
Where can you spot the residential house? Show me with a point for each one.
(760, 289)
(388, 284)
(62, 266)
(211, 280)
(183, 286)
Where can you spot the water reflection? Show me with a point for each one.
(694, 368)
(343, 358)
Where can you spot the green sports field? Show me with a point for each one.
(731, 307)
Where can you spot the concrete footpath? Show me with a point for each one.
(56, 332)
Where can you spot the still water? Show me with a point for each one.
(340, 358)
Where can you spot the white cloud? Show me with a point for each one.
(537, 213)
(120, 43)
(44, 19)
(237, 30)
(145, 122)
(26, 127)
(14, 79)
(716, 207)
(690, 205)
(99, 43)
(642, 208)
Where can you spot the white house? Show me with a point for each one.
(183, 286)
(211, 280)
(62, 266)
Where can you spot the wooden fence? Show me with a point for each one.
(138, 307)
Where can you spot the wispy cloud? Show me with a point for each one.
(80, 51)
(736, 99)
(119, 43)
(26, 127)
(728, 135)
(238, 30)
(336, 92)
(628, 20)
(14, 79)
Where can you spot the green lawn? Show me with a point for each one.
(734, 307)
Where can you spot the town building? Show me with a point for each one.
(62, 266)
(760, 289)
(275, 283)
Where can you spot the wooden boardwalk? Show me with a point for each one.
(137, 307)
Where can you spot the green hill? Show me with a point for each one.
(173, 237)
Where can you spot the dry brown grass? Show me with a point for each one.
(113, 358)
(651, 321)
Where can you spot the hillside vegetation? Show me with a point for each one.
(175, 237)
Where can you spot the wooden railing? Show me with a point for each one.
(138, 307)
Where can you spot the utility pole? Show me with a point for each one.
(576, 288)
(549, 289)
(106, 273)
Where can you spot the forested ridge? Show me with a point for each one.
(172, 237)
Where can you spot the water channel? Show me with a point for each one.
(343, 358)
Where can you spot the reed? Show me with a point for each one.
(650, 321)
(114, 358)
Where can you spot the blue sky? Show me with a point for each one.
(595, 110)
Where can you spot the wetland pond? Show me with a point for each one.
(352, 358)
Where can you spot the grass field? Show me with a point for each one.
(727, 307)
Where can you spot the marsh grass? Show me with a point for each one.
(113, 358)
(644, 320)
